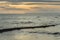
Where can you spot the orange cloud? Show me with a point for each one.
(32, 7)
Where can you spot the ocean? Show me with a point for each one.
(8, 21)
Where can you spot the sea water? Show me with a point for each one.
(30, 20)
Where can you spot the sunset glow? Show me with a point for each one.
(26, 7)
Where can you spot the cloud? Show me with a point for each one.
(28, 0)
(16, 9)
(45, 10)
(32, 7)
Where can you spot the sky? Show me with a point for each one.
(29, 6)
(28, 0)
